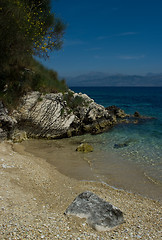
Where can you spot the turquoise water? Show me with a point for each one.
(136, 167)
(144, 141)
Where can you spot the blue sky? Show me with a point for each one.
(111, 36)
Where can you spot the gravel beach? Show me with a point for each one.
(34, 197)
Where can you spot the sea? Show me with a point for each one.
(137, 165)
(143, 148)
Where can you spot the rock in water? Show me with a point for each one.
(84, 147)
(136, 114)
(100, 214)
(120, 145)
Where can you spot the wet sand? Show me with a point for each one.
(34, 196)
(98, 166)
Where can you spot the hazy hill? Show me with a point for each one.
(103, 79)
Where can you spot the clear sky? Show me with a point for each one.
(112, 36)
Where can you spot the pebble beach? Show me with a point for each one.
(34, 197)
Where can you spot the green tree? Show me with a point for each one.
(27, 28)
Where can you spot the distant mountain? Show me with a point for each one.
(103, 79)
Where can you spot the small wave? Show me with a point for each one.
(151, 179)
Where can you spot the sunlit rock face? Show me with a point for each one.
(61, 115)
(58, 115)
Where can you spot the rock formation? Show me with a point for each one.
(61, 115)
(116, 111)
(6, 122)
(100, 214)
(58, 115)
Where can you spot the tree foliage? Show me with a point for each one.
(27, 28)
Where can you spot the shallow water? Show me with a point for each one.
(102, 166)
(135, 167)
(144, 141)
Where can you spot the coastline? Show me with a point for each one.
(99, 166)
(34, 196)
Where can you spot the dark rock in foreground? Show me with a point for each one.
(100, 214)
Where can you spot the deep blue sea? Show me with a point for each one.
(144, 141)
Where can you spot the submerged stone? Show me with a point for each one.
(100, 214)
(120, 145)
(84, 147)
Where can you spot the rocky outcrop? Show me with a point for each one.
(117, 112)
(43, 116)
(61, 115)
(100, 214)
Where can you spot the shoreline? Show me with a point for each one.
(97, 166)
(34, 196)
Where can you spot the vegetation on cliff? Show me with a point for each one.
(27, 29)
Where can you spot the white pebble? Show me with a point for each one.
(4, 165)
(138, 236)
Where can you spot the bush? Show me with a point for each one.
(72, 101)
(45, 80)
(34, 78)
(27, 28)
